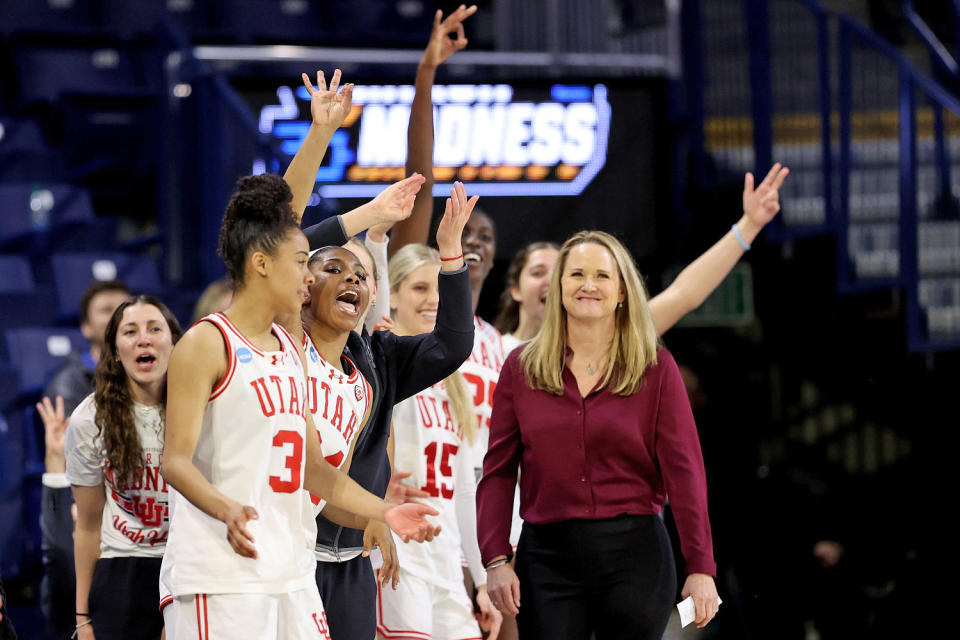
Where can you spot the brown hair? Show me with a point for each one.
(112, 398)
(94, 290)
(508, 315)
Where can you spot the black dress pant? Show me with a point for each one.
(125, 598)
(613, 578)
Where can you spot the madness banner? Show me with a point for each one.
(503, 140)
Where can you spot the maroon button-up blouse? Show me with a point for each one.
(594, 457)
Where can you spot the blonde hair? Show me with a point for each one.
(404, 262)
(209, 300)
(634, 345)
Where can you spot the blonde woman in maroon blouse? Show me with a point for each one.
(596, 413)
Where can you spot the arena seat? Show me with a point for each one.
(142, 17)
(24, 154)
(44, 73)
(48, 16)
(73, 273)
(31, 209)
(36, 353)
(273, 21)
(15, 274)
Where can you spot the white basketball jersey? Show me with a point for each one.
(338, 403)
(481, 371)
(428, 445)
(252, 449)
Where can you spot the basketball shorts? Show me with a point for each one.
(421, 610)
(297, 615)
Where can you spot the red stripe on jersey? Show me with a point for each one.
(163, 603)
(206, 619)
(352, 378)
(196, 601)
(287, 334)
(222, 384)
(222, 316)
(394, 634)
(257, 350)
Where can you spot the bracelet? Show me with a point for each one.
(85, 615)
(497, 563)
(76, 629)
(736, 232)
(442, 259)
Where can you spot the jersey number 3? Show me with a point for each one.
(292, 462)
(446, 471)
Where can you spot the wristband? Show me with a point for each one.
(740, 240)
(85, 615)
(442, 259)
(76, 630)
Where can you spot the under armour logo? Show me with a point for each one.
(275, 360)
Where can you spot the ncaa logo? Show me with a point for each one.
(244, 355)
(357, 391)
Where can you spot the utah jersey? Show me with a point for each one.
(428, 445)
(252, 449)
(481, 371)
(338, 403)
(135, 519)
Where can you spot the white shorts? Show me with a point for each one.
(423, 611)
(297, 615)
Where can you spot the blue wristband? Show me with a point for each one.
(736, 232)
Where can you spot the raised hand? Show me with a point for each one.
(409, 522)
(328, 107)
(55, 431)
(455, 215)
(441, 45)
(397, 492)
(377, 534)
(760, 205)
(396, 201)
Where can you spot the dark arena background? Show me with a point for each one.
(823, 372)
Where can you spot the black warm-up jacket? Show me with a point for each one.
(397, 367)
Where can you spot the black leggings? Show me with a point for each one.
(614, 578)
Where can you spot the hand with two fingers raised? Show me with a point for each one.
(762, 203)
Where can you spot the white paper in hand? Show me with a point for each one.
(688, 611)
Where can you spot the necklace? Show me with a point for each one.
(589, 369)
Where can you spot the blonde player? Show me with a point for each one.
(240, 445)
(432, 436)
